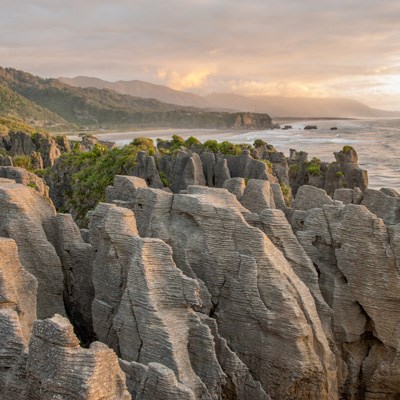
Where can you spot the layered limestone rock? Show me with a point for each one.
(17, 314)
(215, 169)
(43, 359)
(384, 204)
(124, 188)
(146, 169)
(278, 310)
(236, 186)
(258, 196)
(143, 307)
(22, 176)
(309, 197)
(187, 169)
(275, 225)
(245, 166)
(28, 218)
(357, 256)
(345, 172)
(277, 159)
(59, 368)
(342, 173)
(76, 259)
(110, 229)
(21, 143)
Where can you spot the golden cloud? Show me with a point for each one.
(188, 80)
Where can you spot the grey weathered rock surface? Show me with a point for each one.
(59, 368)
(236, 186)
(383, 205)
(357, 256)
(6, 161)
(344, 172)
(245, 166)
(258, 196)
(309, 197)
(25, 144)
(187, 169)
(28, 218)
(146, 169)
(143, 307)
(21, 175)
(110, 229)
(43, 359)
(227, 268)
(205, 294)
(76, 259)
(17, 314)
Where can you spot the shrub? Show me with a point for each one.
(293, 169)
(347, 149)
(287, 193)
(314, 167)
(211, 145)
(176, 142)
(165, 181)
(91, 172)
(192, 141)
(145, 144)
(339, 174)
(269, 164)
(229, 148)
(23, 162)
(245, 146)
(259, 143)
(32, 185)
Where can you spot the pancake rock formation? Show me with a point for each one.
(214, 290)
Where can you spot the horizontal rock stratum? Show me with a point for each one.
(203, 294)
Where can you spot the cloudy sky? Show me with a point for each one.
(336, 48)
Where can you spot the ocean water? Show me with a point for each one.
(377, 142)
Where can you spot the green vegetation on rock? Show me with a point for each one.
(314, 167)
(339, 174)
(165, 181)
(287, 193)
(259, 143)
(95, 170)
(269, 164)
(23, 162)
(224, 147)
(293, 169)
(11, 125)
(347, 149)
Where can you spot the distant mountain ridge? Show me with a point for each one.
(13, 105)
(140, 89)
(300, 107)
(92, 108)
(276, 106)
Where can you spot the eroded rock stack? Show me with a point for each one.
(205, 293)
(42, 147)
(42, 359)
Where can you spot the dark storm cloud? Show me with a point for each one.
(314, 47)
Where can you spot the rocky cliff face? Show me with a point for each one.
(40, 146)
(206, 293)
(42, 359)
